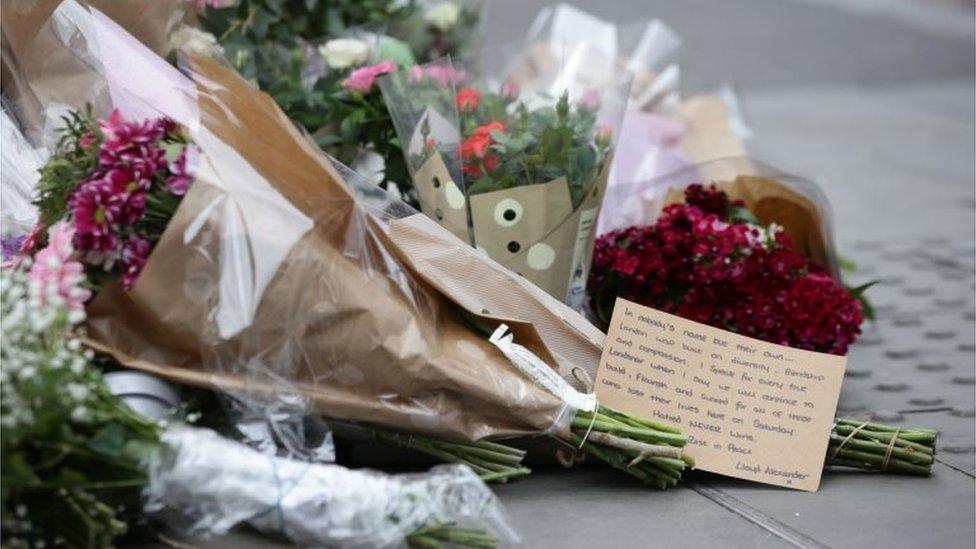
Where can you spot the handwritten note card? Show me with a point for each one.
(751, 409)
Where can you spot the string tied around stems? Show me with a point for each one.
(589, 429)
(583, 377)
(847, 439)
(890, 449)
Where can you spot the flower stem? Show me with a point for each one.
(634, 445)
(438, 535)
(492, 461)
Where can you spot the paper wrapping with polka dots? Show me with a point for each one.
(278, 283)
(440, 198)
(531, 229)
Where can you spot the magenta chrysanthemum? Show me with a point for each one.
(183, 170)
(96, 208)
(130, 193)
(134, 256)
(133, 145)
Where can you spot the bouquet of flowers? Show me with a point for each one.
(319, 63)
(116, 183)
(520, 179)
(711, 261)
(296, 288)
(80, 467)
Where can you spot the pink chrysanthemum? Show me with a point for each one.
(134, 256)
(183, 170)
(56, 270)
(133, 145)
(95, 209)
(130, 193)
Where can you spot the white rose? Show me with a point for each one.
(443, 16)
(343, 53)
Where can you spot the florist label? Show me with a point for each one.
(751, 409)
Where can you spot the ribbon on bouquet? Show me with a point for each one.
(540, 372)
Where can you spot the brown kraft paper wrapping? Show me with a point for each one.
(531, 229)
(38, 70)
(707, 132)
(440, 197)
(339, 318)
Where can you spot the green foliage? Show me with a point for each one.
(70, 164)
(271, 43)
(538, 145)
(282, 21)
(858, 293)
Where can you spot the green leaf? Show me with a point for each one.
(739, 214)
(173, 150)
(858, 293)
(394, 50)
(109, 441)
(846, 264)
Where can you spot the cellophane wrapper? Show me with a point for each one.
(661, 132)
(209, 484)
(19, 165)
(295, 288)
(34, 82)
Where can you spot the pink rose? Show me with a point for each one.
(362, 79)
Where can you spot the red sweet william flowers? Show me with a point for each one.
(703, 263)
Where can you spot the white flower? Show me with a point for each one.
(342, 53)
(195, 40)
(77, 391)
(443, 15)
(79, 414)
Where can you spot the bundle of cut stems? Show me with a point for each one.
(648, 450)
(492, 461)
(440, 535)
(877, 447)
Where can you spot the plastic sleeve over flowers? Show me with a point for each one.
(293, 288)
(310, 504)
